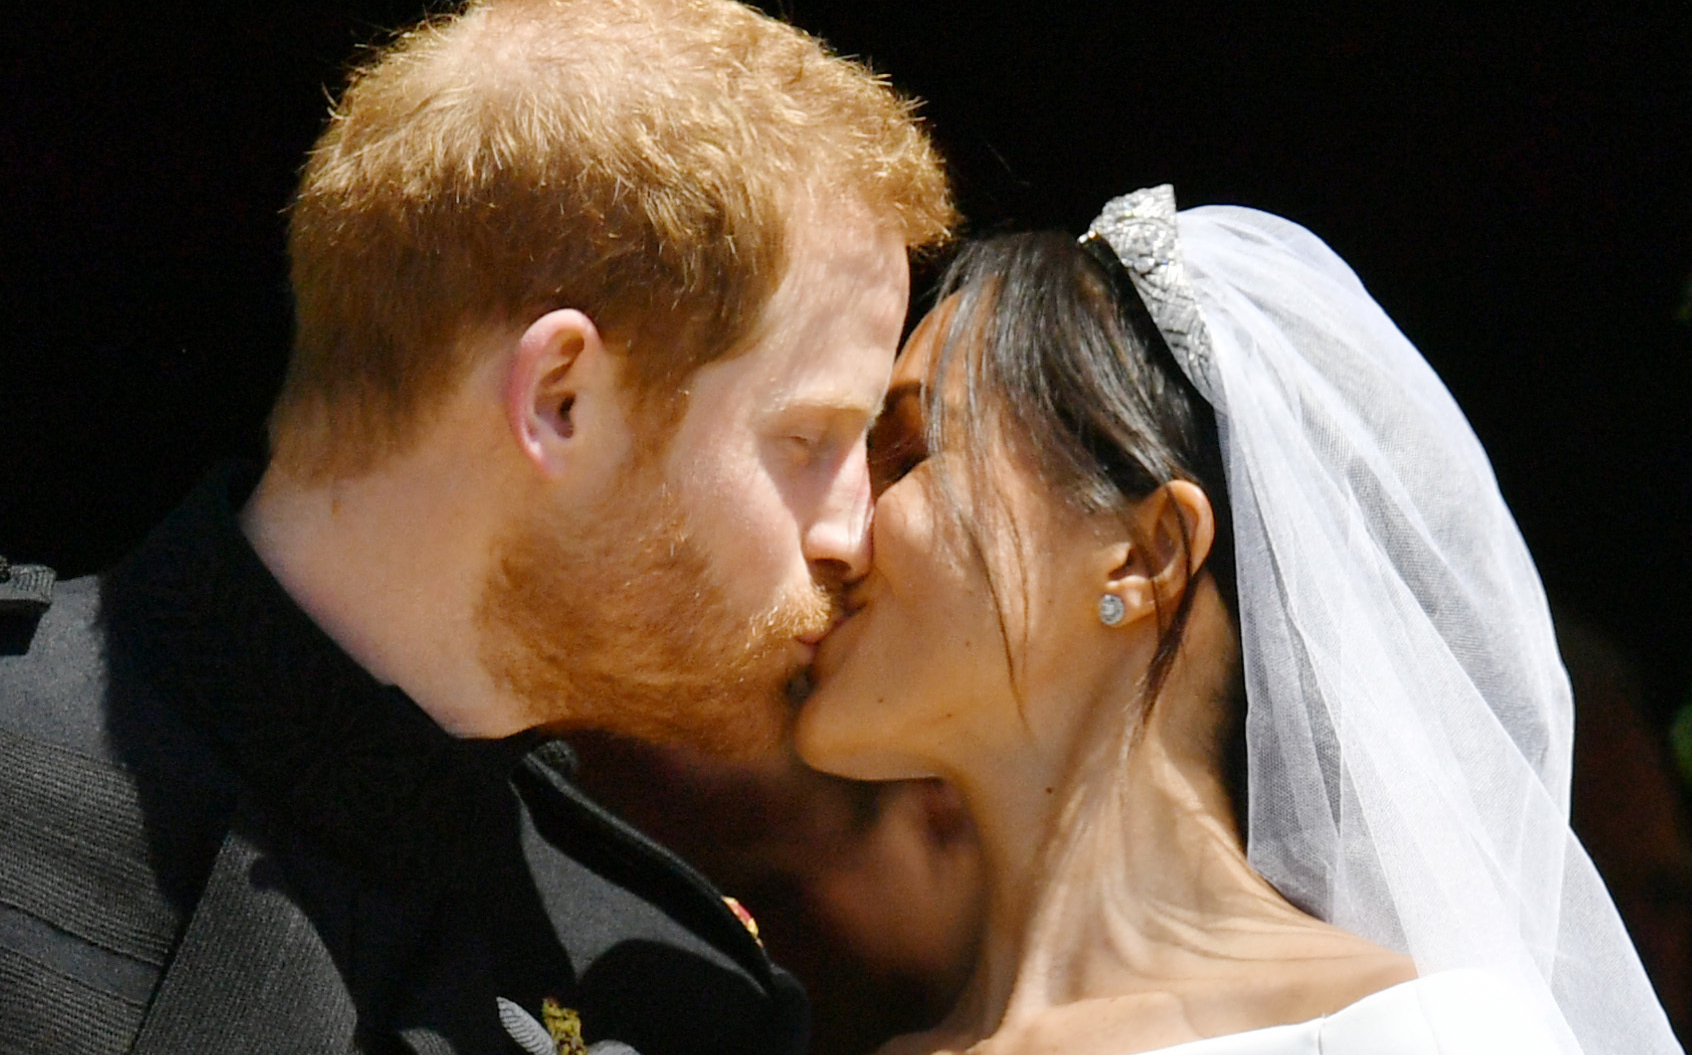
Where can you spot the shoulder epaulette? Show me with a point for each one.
(26, 591)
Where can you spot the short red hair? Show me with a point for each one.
(634, 159)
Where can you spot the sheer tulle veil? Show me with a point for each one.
(1409, 724)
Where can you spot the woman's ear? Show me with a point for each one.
(559, 373)
(1173, 530)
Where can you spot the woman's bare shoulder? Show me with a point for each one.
(1315, 973)
(1323, 972)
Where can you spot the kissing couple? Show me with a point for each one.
(1160, 544)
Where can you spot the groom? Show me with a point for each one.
(595, 302)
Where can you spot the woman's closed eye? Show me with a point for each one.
(897, 441)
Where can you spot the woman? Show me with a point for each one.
(1193, 579)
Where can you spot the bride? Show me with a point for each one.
(1190, 575)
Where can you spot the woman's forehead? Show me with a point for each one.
(916, 358)
(944, 342)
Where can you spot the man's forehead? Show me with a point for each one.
(836, 249)
(799, 373)
(839, 313)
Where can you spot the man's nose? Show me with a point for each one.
(839, 538)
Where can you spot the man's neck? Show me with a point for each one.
(389, 565)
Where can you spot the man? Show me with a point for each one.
(595, 301)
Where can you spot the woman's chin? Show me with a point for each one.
(829, 738)
(814, 734)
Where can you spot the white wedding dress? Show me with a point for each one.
(1461, 1012)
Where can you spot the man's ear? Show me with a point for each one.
(560, 379)
(1174, 528)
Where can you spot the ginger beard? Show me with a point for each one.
(618, 621)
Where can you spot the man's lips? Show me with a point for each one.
(826, 654)
(814, 637)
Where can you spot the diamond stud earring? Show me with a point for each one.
(1111, 609)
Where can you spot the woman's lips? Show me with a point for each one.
(830, 644)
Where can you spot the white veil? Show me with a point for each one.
(1409, 722)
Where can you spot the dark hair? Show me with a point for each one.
(1049, 347)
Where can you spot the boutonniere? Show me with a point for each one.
(557, 1032)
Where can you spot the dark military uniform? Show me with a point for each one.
(219, 834)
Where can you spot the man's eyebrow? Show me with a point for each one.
(833, 404)
(829, 404)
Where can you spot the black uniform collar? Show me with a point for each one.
(327, 750)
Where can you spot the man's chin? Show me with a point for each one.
(755, 731)
(729, 726)
(747, 726)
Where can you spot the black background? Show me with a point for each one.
(1515, 186)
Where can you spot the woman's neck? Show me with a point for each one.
(1121, 906)
(1133, 888)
